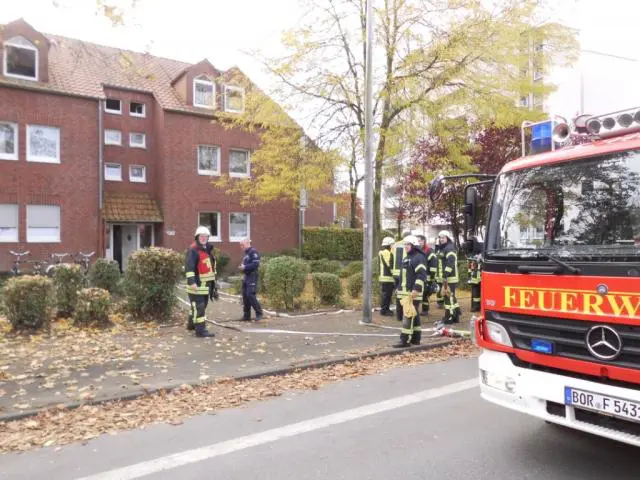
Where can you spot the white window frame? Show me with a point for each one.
(114, 112)
(236, 89)
(138, 145)
(56, 239)
(33, 158)
(139, 115)
(207, 172)
(240, 175)
(110, 142)
(240, 239)
(111, 178)
(14, 155)
(217, 238)
(204, 81)
(136, 179)
(15, 238)
(17, 44)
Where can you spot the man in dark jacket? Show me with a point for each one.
(431, 261)
(200, 271)
(412, 276)
(249, 266)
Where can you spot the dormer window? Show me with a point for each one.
(20, 59)
(204, 93)
(234, 99)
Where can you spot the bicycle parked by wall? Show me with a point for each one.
(83, 259)
(15, 269)
(58, 257)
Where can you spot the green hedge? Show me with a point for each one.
(284, 280)
(332, 243)
(327, 287)
(28, 301)
(326, 266)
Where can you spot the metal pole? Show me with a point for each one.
(368, 166)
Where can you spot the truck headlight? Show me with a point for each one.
(498, 334)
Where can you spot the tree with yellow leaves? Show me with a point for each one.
(433, 59)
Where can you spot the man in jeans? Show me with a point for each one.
(249, 266)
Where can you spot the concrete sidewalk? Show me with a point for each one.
(73, 366)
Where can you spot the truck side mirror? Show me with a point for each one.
(473, 246)
(436, 188)
(470, 209)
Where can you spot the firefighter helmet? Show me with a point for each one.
(202, 231)
(445, 233)
(387, 241)
(412, 239)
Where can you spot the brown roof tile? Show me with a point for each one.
(131, 207)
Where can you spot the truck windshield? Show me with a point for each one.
(585, 209)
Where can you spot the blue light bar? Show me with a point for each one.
(541, 137)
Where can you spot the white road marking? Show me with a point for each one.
(222, 448)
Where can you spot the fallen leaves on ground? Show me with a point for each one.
(56, 426)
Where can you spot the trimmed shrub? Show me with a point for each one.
(236, 285)
(105, 274)
(352, 268)
(327, 287)
(284, 279)
(28, 301)
(264, 262)
(332, 243)
(326, 266)
(354, 285)
(150, 282)
(92, 307)
(67, 280)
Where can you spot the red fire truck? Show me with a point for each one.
(559, 326)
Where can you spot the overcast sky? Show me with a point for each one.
(221, 31)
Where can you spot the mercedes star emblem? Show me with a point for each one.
(602, 289)
(604, 342)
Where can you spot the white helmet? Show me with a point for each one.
(412, 239)
(202, 231)
(387, 241)
(444, 233)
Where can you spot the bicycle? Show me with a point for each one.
(15, 269)
(84, 260)
(50, 269)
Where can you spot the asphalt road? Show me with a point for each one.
(424, 422)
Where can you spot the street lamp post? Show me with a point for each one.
(368, 169)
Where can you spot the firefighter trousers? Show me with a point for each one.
(439, 295)
(411, 327)
(386, 292)
(475, 297)
(451, 306)
(198, 307)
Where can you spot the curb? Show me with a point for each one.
(274, 372)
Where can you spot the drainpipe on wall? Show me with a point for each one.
(100, 252)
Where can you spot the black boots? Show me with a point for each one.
(416, 337)
(201, 331)
(404, 341)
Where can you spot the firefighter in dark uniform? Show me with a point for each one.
(474, 281)
(431, 262)
(399, 253)
(387, 282)
(249, 266)
(449, 259)
(438, 277)
(200, 270)
(412, 277)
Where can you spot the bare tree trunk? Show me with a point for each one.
(353, 222)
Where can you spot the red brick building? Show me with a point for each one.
(109, 151)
